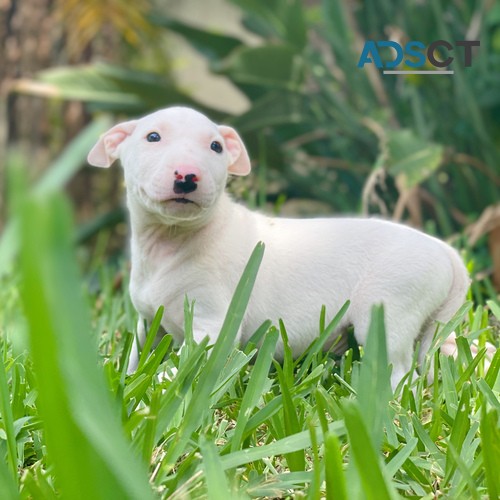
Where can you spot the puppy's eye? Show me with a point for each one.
(216, 146)
(153, 137)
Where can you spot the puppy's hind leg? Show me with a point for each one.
(400, 333)
(444, 313)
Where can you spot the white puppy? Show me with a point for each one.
(189, 237)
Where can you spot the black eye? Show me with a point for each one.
(216, 146)
(153, 137)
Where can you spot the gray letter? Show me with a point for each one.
(467, 51)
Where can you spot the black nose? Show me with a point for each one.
(188, 185)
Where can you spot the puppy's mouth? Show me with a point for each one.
(181, 200)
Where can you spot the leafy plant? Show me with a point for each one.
(319, 125)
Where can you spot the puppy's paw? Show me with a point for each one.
(449, 348)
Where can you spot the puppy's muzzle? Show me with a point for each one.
(184, 184)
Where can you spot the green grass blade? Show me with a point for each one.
(336, 488)
(373, 388)
(296, 459)
(288, 444)
(449, 388)
(198, 408)
(150, 337)
(7, 418)
(314, 492)
(62, 169)
(401, 457)
(494, 370)
(490, 396)
(215, 477)
(90, 455)
(176, 391)
(368, 466)
(490, 444)
(253, 390)
(320, 341)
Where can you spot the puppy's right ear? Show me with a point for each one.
(105, 152)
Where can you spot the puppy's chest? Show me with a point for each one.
(163, 283)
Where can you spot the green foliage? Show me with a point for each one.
(323, 122)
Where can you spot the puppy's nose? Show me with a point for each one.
(184, 184)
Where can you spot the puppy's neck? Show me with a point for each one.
(149, 229)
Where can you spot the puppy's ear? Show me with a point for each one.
(105, 152)
(240, 162)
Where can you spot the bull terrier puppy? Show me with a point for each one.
(189, 238)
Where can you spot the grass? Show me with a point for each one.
(233, 424)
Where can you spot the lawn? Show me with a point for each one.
(233, 424)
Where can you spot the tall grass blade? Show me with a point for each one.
(368, 466)
(373, 388)
(198, 408)
(90, 455)
(490, 444)
(296, 459)
(336, 488)
(321, 340)
(60, 172)
(150, 337)
(401, 457)
(253, 390)
(7, 418)
(215, 477)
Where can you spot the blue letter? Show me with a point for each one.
(415, 53)
(370, 48)
(397, 48)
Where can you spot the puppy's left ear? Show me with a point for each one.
(240, 162)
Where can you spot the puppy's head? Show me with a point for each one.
(176, 161)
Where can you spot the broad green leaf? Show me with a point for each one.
(213, 46)
(272, 66)
(410, 158)
(110, 88)
(277, 19)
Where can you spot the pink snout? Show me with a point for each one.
(186, 180)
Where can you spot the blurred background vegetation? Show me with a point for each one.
(325, 136)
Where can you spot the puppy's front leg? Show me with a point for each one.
(138, 342)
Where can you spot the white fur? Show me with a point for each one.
(201, 248)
